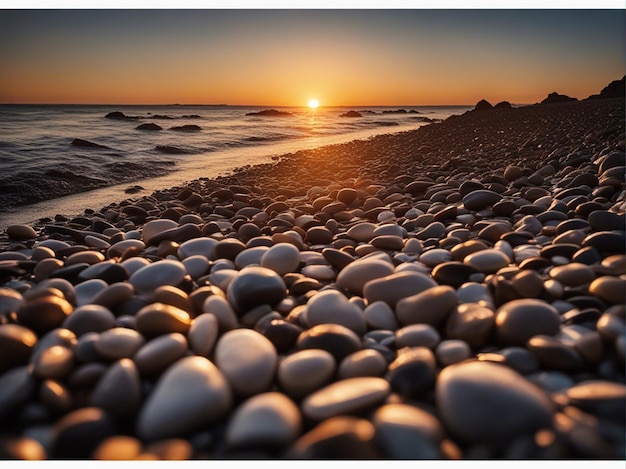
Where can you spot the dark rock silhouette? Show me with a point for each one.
(483, 105)
(555, 97)
(79, 142)
(150, 126)
(270, 113)
(186, 128)
(351, 114)
(161, 116)
(503, 105)
(118, 115)
(615, 89)
(397, 111)
(191, 116)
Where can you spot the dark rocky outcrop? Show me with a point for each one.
(483, 105)
(186, 128)
(351, 114)
(615, 89)
(397, 111)
(503, 105)
(270, 113)
(79, 142)
(150, 126)
(555, 97)
(118, 115)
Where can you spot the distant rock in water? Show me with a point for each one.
(424, 119)
(503, 105)
(351, 114)
(170, 150)
(191, 116)
(270, 113)
(615, 89)
(555, 97)
(397, 111)
(118, 115)
(79, 142)
(483, 105)
(133, 189)
(150, 126)
(186, 128)
(162, 116)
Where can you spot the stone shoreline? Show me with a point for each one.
(453, 292)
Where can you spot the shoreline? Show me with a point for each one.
(209, 165)
(399, 294)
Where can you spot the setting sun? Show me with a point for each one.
(313, 103)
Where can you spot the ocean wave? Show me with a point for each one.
(173, 150)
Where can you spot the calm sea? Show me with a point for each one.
(44, 172)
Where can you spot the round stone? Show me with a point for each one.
(432, 306)
(413, 372)
(366, 362)
(395, 287)
(605, 399)
(255, 286)
(17, 344)
(471, 323)
(119, 390)
(21, 232)
(197, 247)
(268, 419)
(342, 437)
(159, 353)
(164, 272)
(203, 334)
(519, 320)
(472, 397)
(379, 315)
(487, 261)
(355, 275)
(154, 227)
(336, 339)
(480, 199)
(44, 313)
(190, 394)
(118, 342)
(53, 363)
(157, 318)
(282, 258)
(407, 432)
(248, 361)
(76, 435)
(452, 351)
(305, 371)
(89, 318)
(362, 232)
(610, 289)
(348, 395)
(417, 335)
(331, 306)
(573, 275)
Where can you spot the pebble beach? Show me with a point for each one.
(453, 292)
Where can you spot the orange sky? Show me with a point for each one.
(286, 57)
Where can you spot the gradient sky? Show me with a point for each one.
(286, 57)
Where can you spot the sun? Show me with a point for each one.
(313, 103)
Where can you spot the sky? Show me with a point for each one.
(281, 57)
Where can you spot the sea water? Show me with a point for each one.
(43, 172)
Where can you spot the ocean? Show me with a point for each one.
(65, 158)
